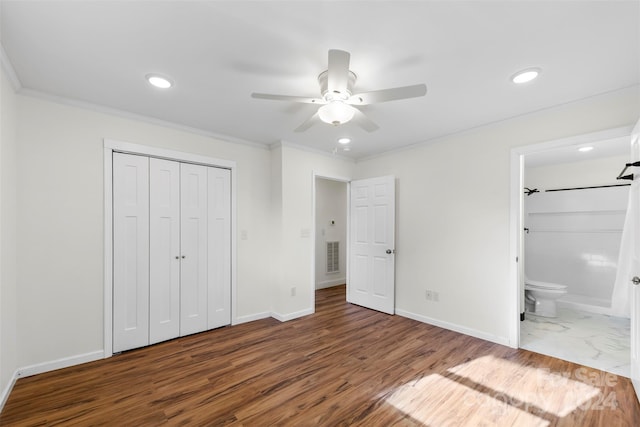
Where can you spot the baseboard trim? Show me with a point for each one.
(7, 390)
(65, 362)
(291, 316)
(330, 283)
(251, 318)
(454, 327)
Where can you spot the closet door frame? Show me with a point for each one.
(111, 146)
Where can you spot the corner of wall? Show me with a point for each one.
(6, 391)
(8, 225)
(9, 71)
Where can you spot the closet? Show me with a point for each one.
(171, 249)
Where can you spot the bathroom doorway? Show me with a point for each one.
(573, 211)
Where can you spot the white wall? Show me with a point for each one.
(60, 222)
(331, 226)
(602, 171)
(296, 263)
(453, 212)
(8, 292)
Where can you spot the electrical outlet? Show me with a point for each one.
(293, 291)
(436, 296)
(429, 294)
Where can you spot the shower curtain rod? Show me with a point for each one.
(587, 188)
(627, 166)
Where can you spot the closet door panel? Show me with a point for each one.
(164, 249)
(193, 271)
(219, 247)
(130, 251)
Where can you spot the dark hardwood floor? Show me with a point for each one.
(344, 365)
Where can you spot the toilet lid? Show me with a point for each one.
(544, 285)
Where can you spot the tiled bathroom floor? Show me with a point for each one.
(593, 340)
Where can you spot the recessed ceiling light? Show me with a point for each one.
(346, 149)
(159, 81)
(344, 140)
(585, 149)
(525, 76)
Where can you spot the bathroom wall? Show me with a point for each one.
(574, 236)
(602, 171)
(574, 239)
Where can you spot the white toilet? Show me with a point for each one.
(542, 297)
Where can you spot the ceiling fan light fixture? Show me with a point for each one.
(159, 81)
(344, 140)
(336, 113)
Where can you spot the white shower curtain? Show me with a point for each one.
(628, 249)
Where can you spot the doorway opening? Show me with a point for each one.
(571, 211)
(331, 207)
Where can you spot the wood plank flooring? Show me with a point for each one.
(344, 365)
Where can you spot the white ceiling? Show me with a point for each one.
(218, 52)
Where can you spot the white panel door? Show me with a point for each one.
(372, 243)
(164, 250)
(634, 210)
(130, 251)
(219, 247)
(193, 246)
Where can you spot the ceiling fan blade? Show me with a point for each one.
(385, 95)
(308, 123)
(302, 99)
(363, 121)
(338, 71)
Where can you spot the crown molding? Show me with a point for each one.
(138, 117)
(470, 130)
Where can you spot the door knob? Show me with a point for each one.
(391, 251)
(636, 280)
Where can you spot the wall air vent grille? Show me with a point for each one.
(333, 257)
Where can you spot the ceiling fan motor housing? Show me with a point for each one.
(336, 96)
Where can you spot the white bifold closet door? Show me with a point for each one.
(164, 250)
(172, 249)
(219, 247)
(193, 277)
(130, 251)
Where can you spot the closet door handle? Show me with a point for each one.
(184, 256)
(177, 257)
(636, 280)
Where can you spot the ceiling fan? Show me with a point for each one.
(338, 101)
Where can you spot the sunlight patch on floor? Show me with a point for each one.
(493, 391)
(438, 401)
(553, 392)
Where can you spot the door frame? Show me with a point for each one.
(347, 181)
(110, 146)
(516, 221)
